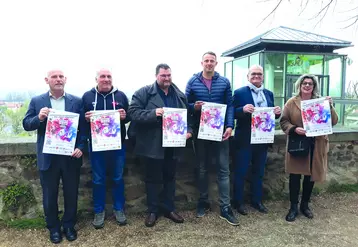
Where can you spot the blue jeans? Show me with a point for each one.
(113, 161)
(255, 154)
(205, 151)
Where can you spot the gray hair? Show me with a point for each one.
(99, 71)
(315, 91)
(255, 66)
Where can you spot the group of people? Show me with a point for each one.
(145, 114)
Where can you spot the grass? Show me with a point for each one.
(339, 188)
(334, 224)
(36, 223)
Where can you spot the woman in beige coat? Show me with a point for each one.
(314, 165)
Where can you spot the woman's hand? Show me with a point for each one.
(300, 131)
(329, 98)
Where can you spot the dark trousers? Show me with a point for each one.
(295, 185)
(160, 182)
(61, 167)
(255, 154)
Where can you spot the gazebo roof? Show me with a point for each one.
(287, 38)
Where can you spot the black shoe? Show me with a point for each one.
(228, 215)
(260, 207)
(305, 210)
(241, 209)
(70, 233)
(175, 217)
(292, 213)
(150, 220)
(55, 237)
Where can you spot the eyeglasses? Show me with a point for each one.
(256, 74)
(310, 84)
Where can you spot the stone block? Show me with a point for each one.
(342, 157)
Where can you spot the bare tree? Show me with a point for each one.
(352, 90)
(349, 12)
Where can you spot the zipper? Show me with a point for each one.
(104, 101)
(209, 90)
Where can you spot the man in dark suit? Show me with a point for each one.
(53, 167)
(245, 100)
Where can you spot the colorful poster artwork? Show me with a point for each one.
(174, 127)
(212, 121)
(106, 130)
(61, 133)
(262, 125)
(316, 117)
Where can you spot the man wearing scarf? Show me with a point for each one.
(245, 100)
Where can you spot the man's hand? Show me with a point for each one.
(188, 135)
(300, 131)
(77, 153)
(227, 134)
(43, 113)
(122, 114)
(159, 112)
(330, 100)
(277, 110)
(248, 108)
(88, 116)
(198, 105)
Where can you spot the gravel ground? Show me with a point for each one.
(335, 224)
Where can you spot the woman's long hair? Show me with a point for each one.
(315, 91)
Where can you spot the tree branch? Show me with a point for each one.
(272, 12)
(304, 7)
(355, 20)
(320, 15)
(325, 8)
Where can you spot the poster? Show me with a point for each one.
(316, 117)
(262, 125)
(212, 121)
(106, 130)
(175, 127)
(61, 133)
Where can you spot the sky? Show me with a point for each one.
(131, 37)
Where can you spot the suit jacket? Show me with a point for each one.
(32, 122)
(243, 96)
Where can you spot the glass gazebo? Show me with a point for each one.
(287, 53)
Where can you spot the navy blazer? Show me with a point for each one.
(32, 122)
(242, 97)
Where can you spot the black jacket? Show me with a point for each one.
(148, 126)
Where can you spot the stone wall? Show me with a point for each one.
(17, 165)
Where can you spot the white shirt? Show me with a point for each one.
(57, 104)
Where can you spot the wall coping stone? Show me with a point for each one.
(27, 146)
